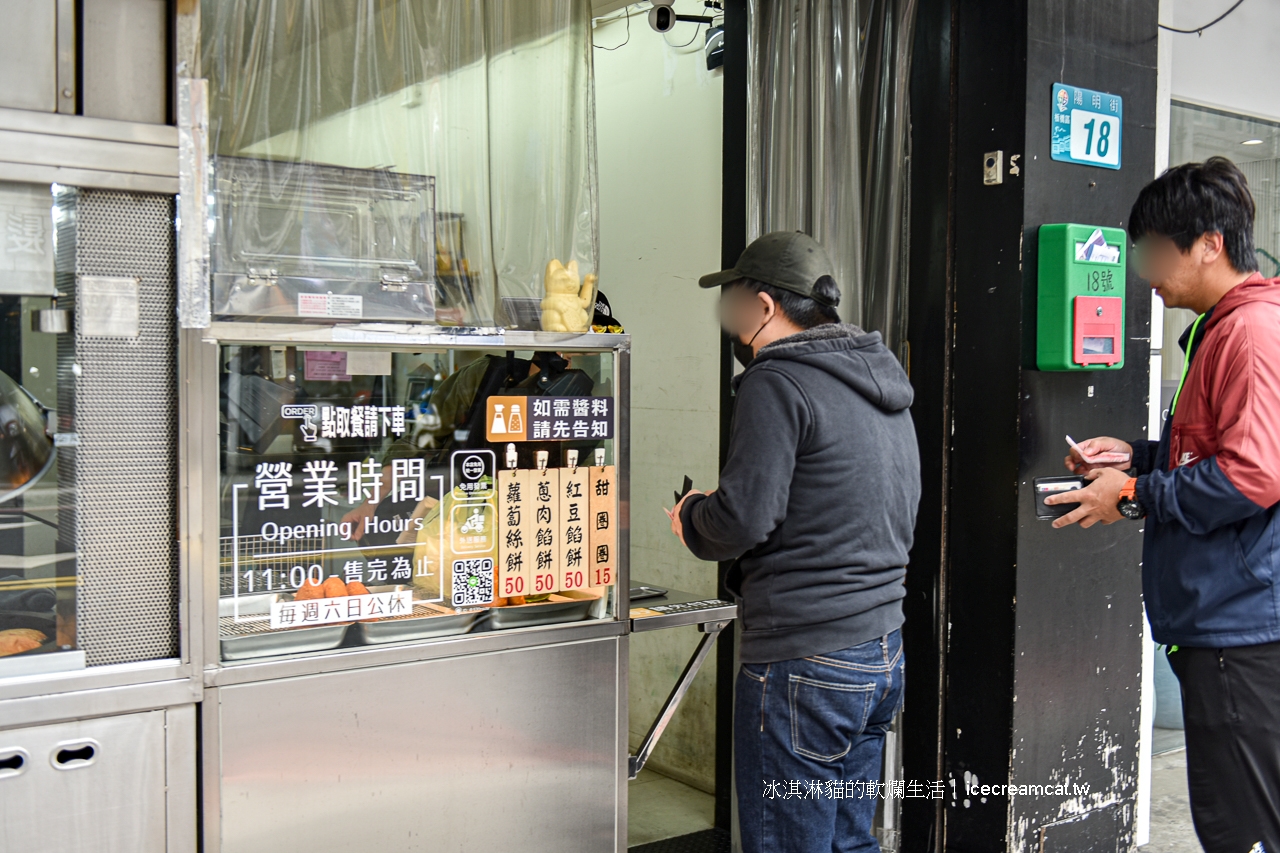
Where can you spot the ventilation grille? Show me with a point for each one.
(126, 418)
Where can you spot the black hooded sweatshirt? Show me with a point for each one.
(818, 496)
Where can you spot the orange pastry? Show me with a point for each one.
(310, 589)
(18, 640)
(334, 588)
(357, 588)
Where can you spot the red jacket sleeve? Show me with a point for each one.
(1245, 395)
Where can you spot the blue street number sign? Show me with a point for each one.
(1086, 126)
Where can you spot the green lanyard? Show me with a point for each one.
(1186, 364)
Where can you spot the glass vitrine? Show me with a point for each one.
(375, 496)
(37, 435)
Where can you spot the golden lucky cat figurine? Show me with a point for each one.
(567, 306)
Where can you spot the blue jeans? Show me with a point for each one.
(809, 746)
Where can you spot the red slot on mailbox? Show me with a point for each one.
(1098, 324)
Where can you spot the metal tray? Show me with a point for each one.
(426, 622)
(557, 609)
(256, 639)
(257, 604)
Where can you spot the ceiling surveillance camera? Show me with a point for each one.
(662, 17)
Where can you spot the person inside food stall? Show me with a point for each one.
(816, 505)
(459, 401)
(389, 525)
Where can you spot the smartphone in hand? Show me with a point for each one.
(1048, 486)
(688, 486)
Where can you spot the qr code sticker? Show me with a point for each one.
(472, 581)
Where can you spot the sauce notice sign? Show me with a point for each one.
(505, 419)
(548, 418)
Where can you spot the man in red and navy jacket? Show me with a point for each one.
(1209, 491)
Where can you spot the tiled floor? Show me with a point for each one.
(664, 808)
(1171, 829)
(1166, 740)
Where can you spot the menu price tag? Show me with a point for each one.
(574, 506)
(325, 611)
(515, 533)
(602, 522)
(545, 500)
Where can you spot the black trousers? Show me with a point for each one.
(1231, 711)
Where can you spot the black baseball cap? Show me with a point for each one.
(791, 260)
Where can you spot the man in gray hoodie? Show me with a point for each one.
(817, 505)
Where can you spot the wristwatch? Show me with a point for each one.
(1128, 505)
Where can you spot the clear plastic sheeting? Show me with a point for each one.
(419, 160)
(885, 76)
(804, 158)
(194, 310)
(829, 142)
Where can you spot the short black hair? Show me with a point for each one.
(801, 310)
(1193, 199)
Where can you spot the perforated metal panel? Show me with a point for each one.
(126, 419)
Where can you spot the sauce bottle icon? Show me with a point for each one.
(499, 423)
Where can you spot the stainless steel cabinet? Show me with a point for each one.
(29, 55)
(95, 784)
(125, 65)
(517, 750)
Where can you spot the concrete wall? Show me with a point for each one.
(658, 132)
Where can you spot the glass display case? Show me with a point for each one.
(322, 242)
(37, 440)
(401, 495)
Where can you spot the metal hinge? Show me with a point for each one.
(263, 277)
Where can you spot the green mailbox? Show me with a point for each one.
(1080, 312)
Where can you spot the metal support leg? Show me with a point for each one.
(711, 630)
